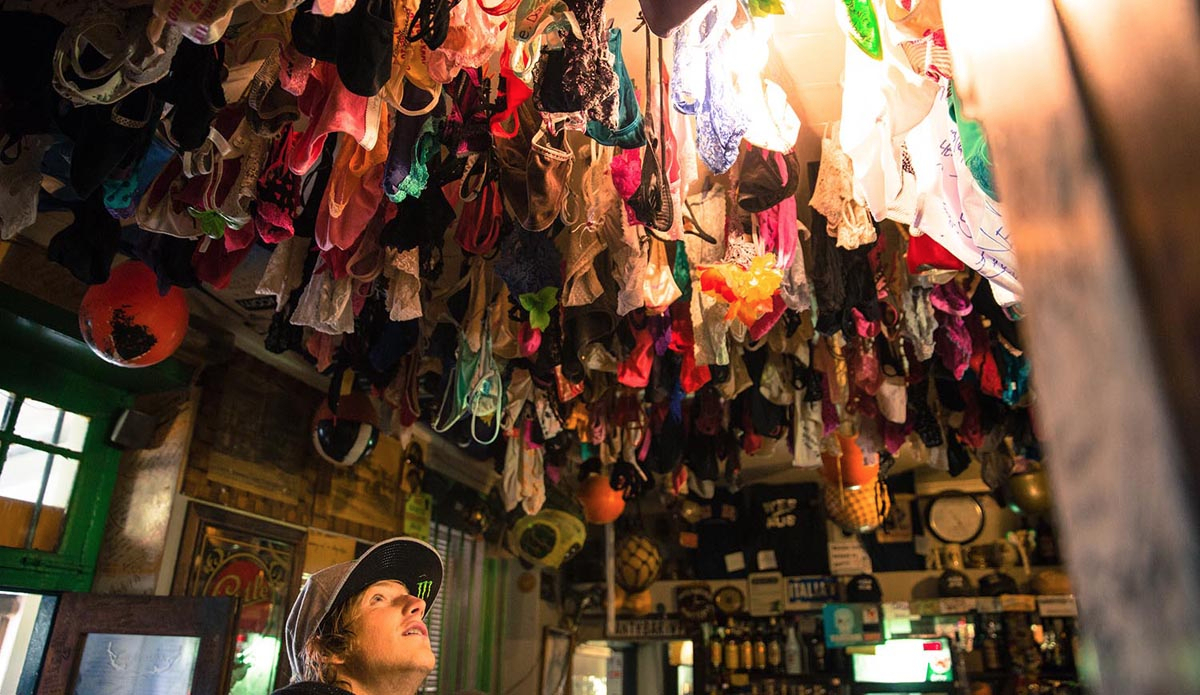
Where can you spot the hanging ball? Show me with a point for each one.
(346, 437)
(549, 538)
(637, 563)
(1029, 492)
(127, 322)
(601, 503)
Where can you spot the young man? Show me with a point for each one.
(358, 627)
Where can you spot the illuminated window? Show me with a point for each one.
(40, 451)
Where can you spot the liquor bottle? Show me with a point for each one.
(1045, 544)
(817, 642)
(716, 649)
(760, 648)
(991, 642)
(791, 653)
(731, 647)
(774, 648)
(746, 649)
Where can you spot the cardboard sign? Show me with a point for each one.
(1018, 603)
(1057, 606)
(322, 550)
(802, 590)
(649, 628)
(898, 617)
(851, 624)
(765, 593)
(848, 558)
(418, 514)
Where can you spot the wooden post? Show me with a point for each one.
(1094, 142)
(610, 597)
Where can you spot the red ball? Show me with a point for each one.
(128, 323)
(601, 503)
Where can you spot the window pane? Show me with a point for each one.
(45, 423)
(21, 477)
(6, 403)
(62, 479)
(20, 483)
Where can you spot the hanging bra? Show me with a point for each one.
(480, 221)
(651, 202)
(702, 87)
(514, 92)
(548, 166)
(629, 133)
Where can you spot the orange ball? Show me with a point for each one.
(601, 503)
(128, 323)
(856, 471)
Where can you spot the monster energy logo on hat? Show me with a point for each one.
(423, 589)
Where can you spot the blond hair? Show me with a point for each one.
(335, 639)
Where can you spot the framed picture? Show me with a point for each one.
(223, 553)
(557, 648)
(165, 645)
(898, 526)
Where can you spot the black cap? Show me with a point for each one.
(863, 588)
(953, 584)
(997, 583)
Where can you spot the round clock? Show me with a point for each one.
(955, 517)
(729, 599)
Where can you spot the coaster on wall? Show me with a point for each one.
(729, 600)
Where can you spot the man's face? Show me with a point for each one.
(390, 636)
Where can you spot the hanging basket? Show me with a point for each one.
(857, 510)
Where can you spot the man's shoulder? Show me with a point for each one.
(310, 688)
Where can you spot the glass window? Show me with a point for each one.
(36, 475)
(6, 403)
(22, 474)
(60, 482)
(42, 422)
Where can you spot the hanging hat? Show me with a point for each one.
(997, 583)
(665, 16)
(863, 588)
(953, 584)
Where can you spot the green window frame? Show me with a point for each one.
(43, 357)
(71, 566)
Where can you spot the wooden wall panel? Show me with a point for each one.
(141, 503)
(1096, 317)
(251, 449)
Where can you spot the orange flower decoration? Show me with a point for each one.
(749, 291)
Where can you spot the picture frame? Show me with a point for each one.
(558, 647)
(223, 553)
(207, 624)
